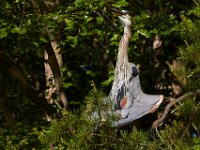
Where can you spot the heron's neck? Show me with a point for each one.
(127, 31)
(123, 46)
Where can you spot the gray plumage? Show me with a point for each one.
(126, 85)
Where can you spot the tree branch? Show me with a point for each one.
(44, 6)
(52, 61)
(157, 122)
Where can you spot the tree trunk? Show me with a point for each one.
(53, 73)
(53, 56)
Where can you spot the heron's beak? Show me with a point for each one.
(117, 11)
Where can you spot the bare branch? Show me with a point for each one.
(157, 122)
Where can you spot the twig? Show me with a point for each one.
(167, 144)
(196, 129)
(157, 122)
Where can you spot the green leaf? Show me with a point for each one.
(99, 19)
(73, 40)
(120, 3)
(69, 23)
(18, 30)
(67, 85)
(24, 142)
(3, 33)
(42, 39)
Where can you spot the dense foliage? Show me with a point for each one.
(88, 36)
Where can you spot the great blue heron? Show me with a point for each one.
(126, 91)
(129, 101)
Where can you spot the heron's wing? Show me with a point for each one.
(139, 109)
(139, 102)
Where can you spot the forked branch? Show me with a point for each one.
(157, 122)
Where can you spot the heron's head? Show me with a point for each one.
(125, 19)
(123, 15)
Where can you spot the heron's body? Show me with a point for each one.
(126, 94)
(126, 87)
